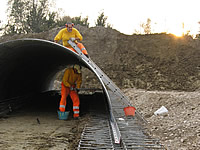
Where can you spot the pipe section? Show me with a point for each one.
(30, 66)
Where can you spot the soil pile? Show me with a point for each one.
(179, 129)
(152, 62)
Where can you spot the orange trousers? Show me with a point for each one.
(65, 91)
(82, 48)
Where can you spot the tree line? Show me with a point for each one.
(34, 16)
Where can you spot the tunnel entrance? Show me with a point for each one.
(31, 65)
(48, 102)
(34, 64)
(36, 124)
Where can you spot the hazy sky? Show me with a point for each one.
(127, 15)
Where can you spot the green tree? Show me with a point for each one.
(16, 16)
(39, 17)
(76, 20)
(29, 16)
(63, 20)
(147, 26)
(101, 20)
(81, 21)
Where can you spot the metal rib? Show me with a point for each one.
(8, 105)
(96, 134)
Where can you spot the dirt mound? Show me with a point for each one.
(179, 128)
(152, 62)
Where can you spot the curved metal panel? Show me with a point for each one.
(30, 65)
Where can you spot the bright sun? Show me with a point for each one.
(177, 33)
(177, 29)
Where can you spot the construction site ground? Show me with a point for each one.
(153, 70)
(179, 129)
(36, 127)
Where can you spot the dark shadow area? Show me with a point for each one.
(30, 66)
(49, 103)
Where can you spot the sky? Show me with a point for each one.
(127, 15)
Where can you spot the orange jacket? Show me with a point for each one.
(64, 35)
(71, 78)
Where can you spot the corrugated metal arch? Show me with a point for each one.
(31, 65)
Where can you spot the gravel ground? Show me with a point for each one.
(179, 129)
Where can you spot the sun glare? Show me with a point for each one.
(177, 29)
(177, 33)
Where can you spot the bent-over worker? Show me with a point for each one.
(70, 85)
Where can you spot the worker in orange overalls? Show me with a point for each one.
(70, 33)
(71, 84)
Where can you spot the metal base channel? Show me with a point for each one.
(96, 134)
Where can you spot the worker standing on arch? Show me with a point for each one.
(71, 33)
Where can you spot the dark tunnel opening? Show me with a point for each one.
(30, 66)
(48, 102)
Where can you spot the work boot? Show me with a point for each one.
(76, 118)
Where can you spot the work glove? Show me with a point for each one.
(73, 39)
(74, 89)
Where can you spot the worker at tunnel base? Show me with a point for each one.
(70, 33)
(70, 85)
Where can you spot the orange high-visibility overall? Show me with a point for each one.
(70, 79)
(82, 48)
(65, 91)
